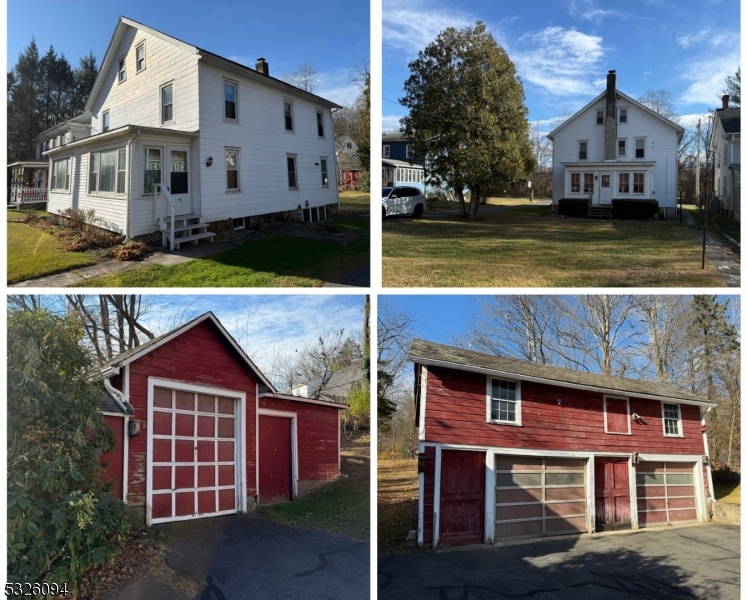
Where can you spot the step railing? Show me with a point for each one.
(161, 192)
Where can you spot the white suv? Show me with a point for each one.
(402, 200)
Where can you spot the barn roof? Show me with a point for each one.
(138, 351)
(430, 353)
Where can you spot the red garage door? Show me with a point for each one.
(275, 459)
(114, 459)
(462, 519)
(193, 472)
(666, 493)
(611, 493)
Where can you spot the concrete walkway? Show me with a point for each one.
(724, 255)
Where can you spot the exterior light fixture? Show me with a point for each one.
(209, 162)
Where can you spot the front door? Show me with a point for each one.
(275, 460)
(178, 180)
(605, 188)
(462, 510)
(612, 493)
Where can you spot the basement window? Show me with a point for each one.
(315, 214)
(504, 401)
(239, 223)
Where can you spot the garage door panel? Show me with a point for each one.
(666, 493)
(522, 495)
(683, 515)
(185, 425)
(206, 502)
(680, 490)
(571, 493)
(205, 404)
(161, 423)
(652, 504)
(161, 450)
(184, 477)
(185, 503)
(518, 511)
(205, 426)
(225, 428)
(206, 476)
(523, 480)
(226, 499)
(162, 397)
(653, 491)
(564, 509)
(184, 400)
(161, 504)
(517, 530)
(568, 525)
(161, 478)
(513, 463)
(225, 451)
(225, 406)
(205, 451)
(652, 518)
(681, 503)
(184, 451)
(226, 475)
(564, 464)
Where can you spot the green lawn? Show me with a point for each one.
(526, 247)
(277, 261)
(34, 253)
(355, 203)
(719, 222)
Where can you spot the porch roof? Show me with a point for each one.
(36, 164)
(119, 133)
(400, 163)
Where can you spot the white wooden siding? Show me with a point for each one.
(138, 100)
(660, 146)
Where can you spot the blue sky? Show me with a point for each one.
(332, 35)
(563, 49)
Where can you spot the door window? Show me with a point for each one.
(179, 174)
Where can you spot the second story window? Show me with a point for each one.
(288, 114)
(672, 420)
(140, 58)
(386, 151)
(639, 149)
(623, 115)
(229, 101)
(320, 123)
(582, 151)
(121, 71)
(621, 147)
(504, 401)
(105, 120)
(410, 152)
(600, 117)
(167, 103)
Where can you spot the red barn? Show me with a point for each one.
(513, 449)
(202, 432)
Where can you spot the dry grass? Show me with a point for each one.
(397, 504)
(527, 247)
(728, 493)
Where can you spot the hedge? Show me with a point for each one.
(626, 208)
(573, 207)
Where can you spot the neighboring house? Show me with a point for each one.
(182, 137)
(726, 152)
(348, 163)
(27, 182)
(336, 387)
(399, 163)
(616, 148)
(200, 431)
(72, 130)
(512, 449)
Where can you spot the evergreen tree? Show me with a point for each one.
(734, 87)
(24, 113)
(85, 76)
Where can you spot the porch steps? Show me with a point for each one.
(185, 225)
(603, 211)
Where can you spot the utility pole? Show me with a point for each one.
(705, 208)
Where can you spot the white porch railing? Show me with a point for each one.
(161, 192)
(22, 196)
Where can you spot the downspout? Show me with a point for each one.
(130, 195)
(119, 397)
(334, 153)
(708, 458)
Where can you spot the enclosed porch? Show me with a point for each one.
(28, 183)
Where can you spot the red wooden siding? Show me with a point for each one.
(200, 356)
(611, 493)
(275, 467)
(462, 512)
(456, 413)
(115, 457)
(617, 415)
(429, 487)
(317, 429)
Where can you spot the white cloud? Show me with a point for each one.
(705, 74)
(691, 120)
(560, 61)
(584, 10)
(712, 38)
(390, 122)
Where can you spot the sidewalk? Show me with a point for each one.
(720, 253)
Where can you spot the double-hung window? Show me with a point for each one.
(640, 148)
(320, 123)
(386, 151)
(638, 185)
(152, 172)
(623, 115)
(121, 70)
(61, 175)
(621, 147)
(600, 117)
(230, 101)
(325, 176)
(108, 171)
(409, 151)
(288, 114)
(576, 183)
(582, 150)
(623, 183)
(232, 170)
(105, 121)
(292, 175)
(504, 401)
(140, 58)
(672, 420)
(588, 183)
(167, 103)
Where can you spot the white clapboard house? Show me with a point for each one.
(615, 147)
(181, 137)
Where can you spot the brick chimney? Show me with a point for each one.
(262, 67)
(610, 117)
(725, 101)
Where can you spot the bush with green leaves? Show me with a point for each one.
(61, 518)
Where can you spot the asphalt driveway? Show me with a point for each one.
(688, 562)
(244, 556)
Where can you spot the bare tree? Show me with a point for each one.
(661, 102)
(664, 319)
(304, 77)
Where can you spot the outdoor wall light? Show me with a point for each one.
(316, 164)
(596, 176)
(209, 162)
(559, 401)
(635, 416)
(307, 203)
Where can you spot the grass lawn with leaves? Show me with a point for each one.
(528, 247)
(716, 221)
(34, 253)
(355, 203)
(342, 506)
(397, 504)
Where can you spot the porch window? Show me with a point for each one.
(61, 175)
(140, 58)
(288, 114)
(672, 420)
(93, 173)
(639, 149)
(110, 171)
(638, 183)
(621, 147)
(230, 93)
(623, 183)
(588, 183)
(152, 173)
(167, 103)
(232, 170)
(582, 151)
(504, 401)
(320, 123)
(105, 119)
(575, 183)
(325, 176)
(121, 70)
(386, 151)
(292, 179)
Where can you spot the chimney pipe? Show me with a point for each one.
(263, 67)
(725, 101)
(610, 118)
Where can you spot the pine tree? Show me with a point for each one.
(24, 112)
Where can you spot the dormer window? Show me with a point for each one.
(121, 71)
(600, 117)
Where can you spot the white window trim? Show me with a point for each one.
(319, 111)
(627, 192)
(145, 62)
(145, 164)
(161, 104)
(624, 154)
(123, 61)
(604, 406)
(489, 394)
(596, 116)
(68, 175)
(635, 142)
(238, 170)
(632, 183)
(386, 151)
(681, 433)
(295, 166)
(242, 220)
(409, 151)
(326, 160)
(235, 84)
(627, 115)
(115, 193)
(104, 126)
(292, 116)
(578, 154)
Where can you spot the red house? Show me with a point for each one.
(202, 432)
(513, 449)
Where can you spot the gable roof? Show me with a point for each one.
(430, 353)
(729, 118)
(680, 130)
(135, 353)
(123, 23)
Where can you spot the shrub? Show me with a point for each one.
(60, 517)
(573, 207)
(364, 185)
(31, 217)
(130, 251)
(626, 208)
(83, 230)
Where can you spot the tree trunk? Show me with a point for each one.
(474, 202)
(462, 209)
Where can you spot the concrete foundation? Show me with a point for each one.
(726, 513)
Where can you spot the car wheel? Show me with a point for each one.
(383, 212)
(418, 212)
